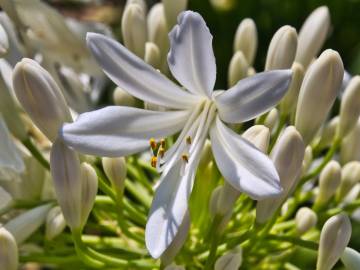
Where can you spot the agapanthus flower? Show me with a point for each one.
(194, 111)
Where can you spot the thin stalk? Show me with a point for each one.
(36, 153)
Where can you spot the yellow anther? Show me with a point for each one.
(185, 158)
(188, 140)
(152, 143)
(153, 162)
(163, 143)
(161, 152)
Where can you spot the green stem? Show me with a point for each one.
(282, 122)
(296, 241)
(215, 237)
(36, 153)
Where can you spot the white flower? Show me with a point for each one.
(194, 112)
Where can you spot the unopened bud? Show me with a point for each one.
(246, 39)
(326, 74)
(259, 136)
(282, 49)
(287, 155)
(328, 133)
(305, 219)
(238, 68)
(40, 97)
(9, 257)
(350, 176)
(142, 3)
(25, 224)
(335, 236)
(6, 199)
(329, 180)
(134, 31)
(350, 107)
(123, 98)
(4, 42)
(312, 35)
(230, 261)
(169, 254)
(350, 145)
(115, 170)
(272, 118)
(351, 259)
(172, 10)
(288, 102)
(55, 223)
(152, 55)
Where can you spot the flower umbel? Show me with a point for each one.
(194, 112)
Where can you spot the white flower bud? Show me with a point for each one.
(308, 157)
(230, 261)
(351, 259)
(9, 257)
(325, 74)
(272, 118)
(123, 98)
(305, 219)
(238, 68)
(152, 55)
(312, 35)
(172, 10)
(169, 254)
(287, 155)
(350, 176)
(282, 49)
(142, 3)
(25, 224)
(40, 97)
(328, 133)
(259, 136)
(134, 30)
(6, 199)
(115, 169)
(246, 39)
(288, 102)
(329, 181)
(335, 236)
(55, 223)
(89, 183)
(4, 42)
(350, 145)
(350, 107)
(66, 174)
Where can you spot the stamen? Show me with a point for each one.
(153, 162)
(188, 140)
(161, 152)
(152, 143)
(185, 158)
(163, 143)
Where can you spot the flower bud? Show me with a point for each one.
(351, 259)
(25, 224)
(288, 102)
(259, 136)
(305, 219)
(287, 155)
(142, 3)
(6, 200)
(335, 236)
(172, 10)
(152, 55)
(115, 170)
(55, 223)
(230, 261)
(328, 133)
(329, 180)
(350, 176)
(246, 40)
(238, 68)
(123, 98)
(169, 254)
(282, 49)
(4, 42)
(350, 145)
(324, 74)
(312, 35)
(134, 31)
(89, 183)
(308, 157)
(40, 97)
(350, 107)
(9, 257)
(272, 119)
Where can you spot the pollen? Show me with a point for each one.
(185, 158)
(153, 162)
(161, 152)
(163, 143)
(152, 143)
(188, 140)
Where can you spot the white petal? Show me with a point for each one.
(253, 96)
(244, 166)
(191, 57)
(120, 131)
(135, 76)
